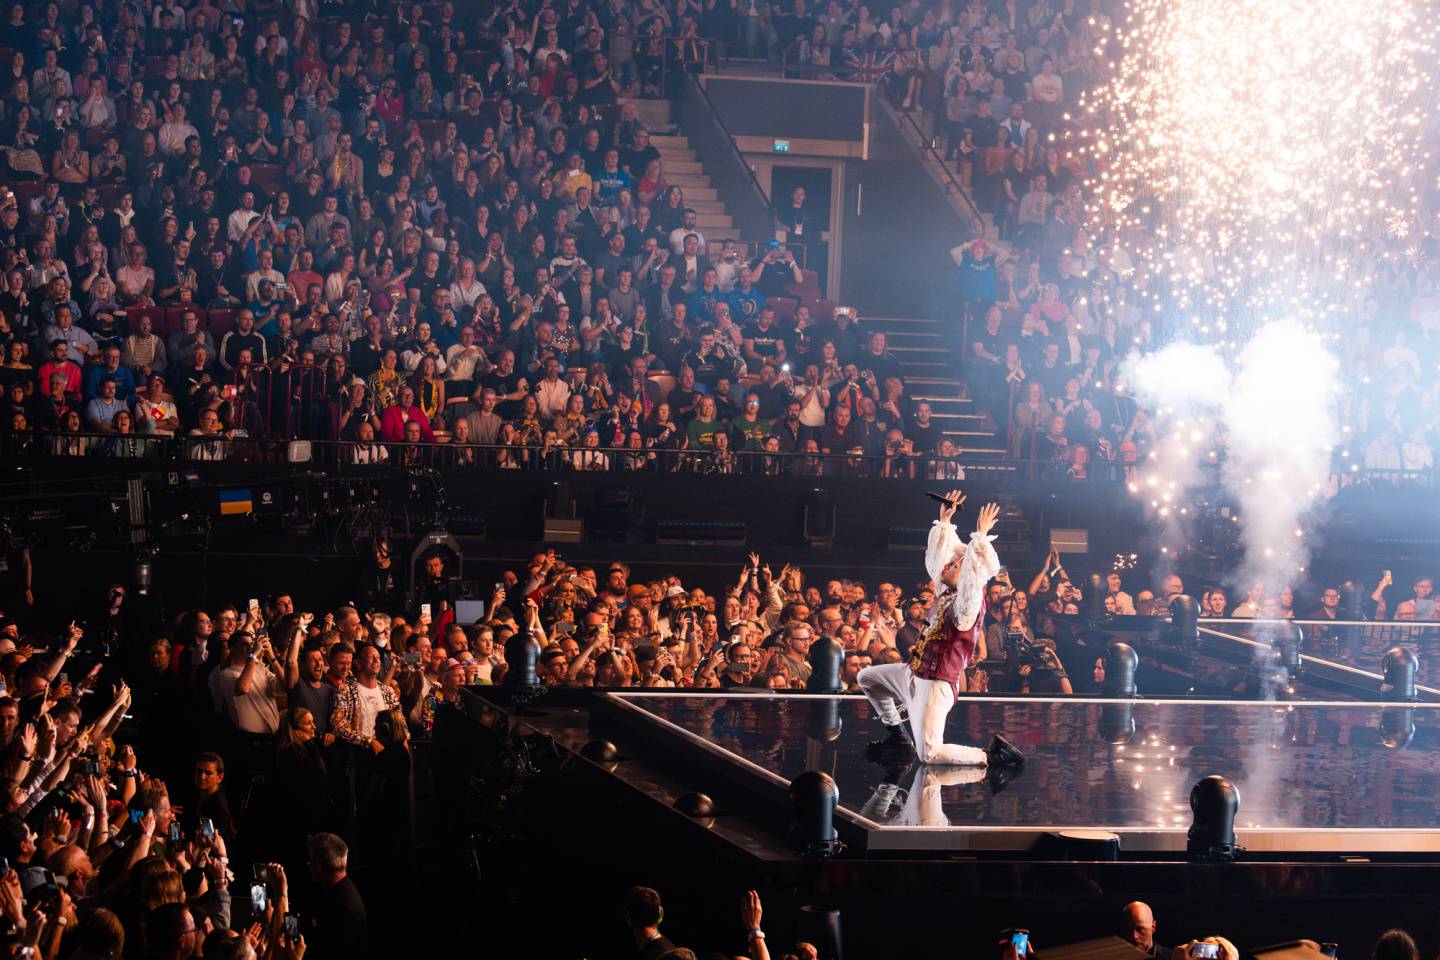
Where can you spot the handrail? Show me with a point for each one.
(55, 445)
(694, 98)
(973, 212)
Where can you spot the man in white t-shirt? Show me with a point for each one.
(155, 413)
(244, 689)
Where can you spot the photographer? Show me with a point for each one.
(775, 270)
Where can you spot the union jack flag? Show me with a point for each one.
(870, 67)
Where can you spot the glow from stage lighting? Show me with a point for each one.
(1268, 151)
(1267, 161)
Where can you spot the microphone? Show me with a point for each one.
(945, 500)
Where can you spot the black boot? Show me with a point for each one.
(897, 744)
(1003, 753)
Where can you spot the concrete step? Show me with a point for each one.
(709, 221)
(686, 180)
(926, 368)
(958, 421)
(722, 233)
(673, 155)
(664, 141)
(700, 195)
(918, 354)
(691, 167)
(703, 206)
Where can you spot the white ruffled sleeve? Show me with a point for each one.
(976, 570)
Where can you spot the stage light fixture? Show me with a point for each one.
(1287, 639)
(1184, 621)
(601, 751)
(826, 658)
(813, 796)
(697, 806)
(1121, 664)
(521, 682)
(1214, 801)
(1400, 669)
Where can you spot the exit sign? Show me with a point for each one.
(782, 146)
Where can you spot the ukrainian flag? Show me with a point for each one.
(234, 503)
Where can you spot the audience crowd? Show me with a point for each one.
(1136, 925)
(403, 224)
(1052, 307)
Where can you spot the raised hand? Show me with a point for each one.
(988, 515)
(750, 910)
(947, 510)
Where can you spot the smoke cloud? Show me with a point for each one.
(1281, 419)
(1277, 410)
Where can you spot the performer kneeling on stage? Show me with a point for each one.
(927, 687)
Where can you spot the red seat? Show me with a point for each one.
(475, 60)
(173, 317)
(110, 194)
(808, 288)
(154, 66)
(822, 309)
(220, 322)
(432, 130)
(270, 177)
(95, 136)
(784, 308)
(25, 191)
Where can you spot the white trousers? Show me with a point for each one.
(890, 686)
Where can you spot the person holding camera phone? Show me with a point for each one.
(928, 685)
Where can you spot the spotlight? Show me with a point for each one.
(601, 751)
(1287, 640)
(1184, 621)
(698, 806)
(522, 654)
(1400, 666)
(1214, 801)
(814, 796)
(826, 658)
(1121, 663)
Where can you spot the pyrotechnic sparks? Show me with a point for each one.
(1266, 160)
(1257, 152)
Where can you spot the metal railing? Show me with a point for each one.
(927, 147)
(241, 447)
(658, 59)
(745, 200)
(666, 457)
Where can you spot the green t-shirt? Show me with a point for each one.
(702, 433)
(745, 435)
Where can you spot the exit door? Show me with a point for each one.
(808, 230)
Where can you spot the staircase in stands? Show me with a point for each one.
(682, 169)
(930, 357)
(923, 346)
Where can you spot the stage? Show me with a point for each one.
(1326, 778)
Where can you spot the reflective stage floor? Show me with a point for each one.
(1313, 776)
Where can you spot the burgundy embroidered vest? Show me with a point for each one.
(944, 650)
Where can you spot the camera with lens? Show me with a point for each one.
(1021, 651)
